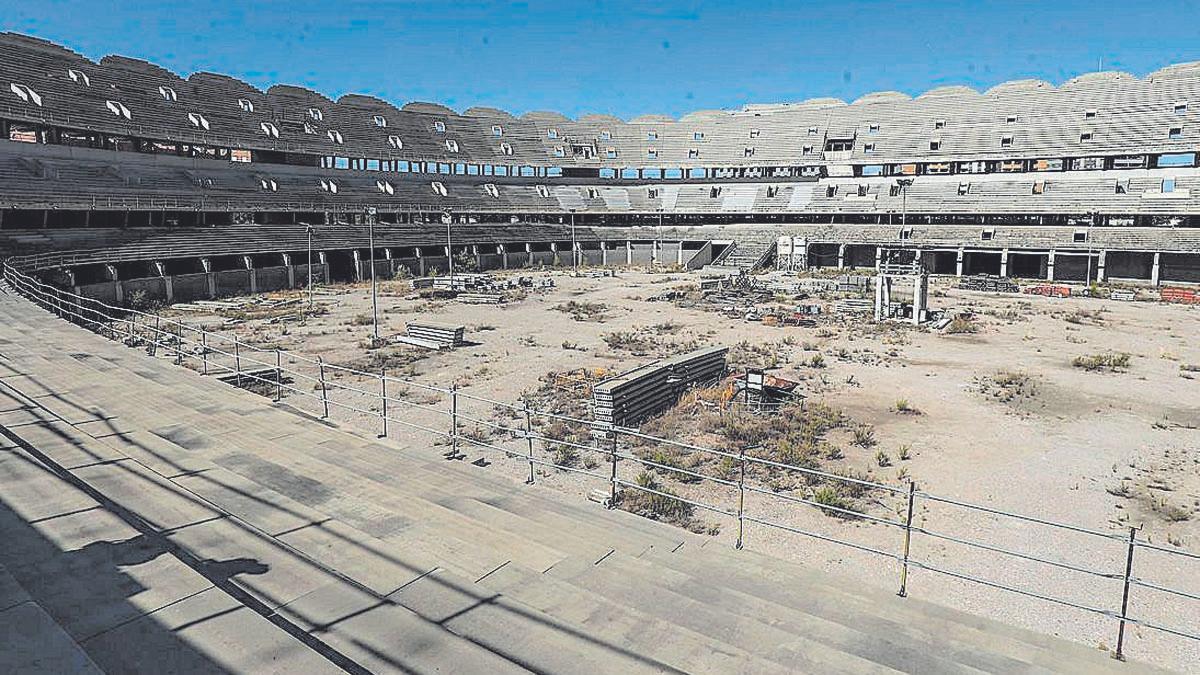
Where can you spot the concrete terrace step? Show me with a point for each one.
(389, 558)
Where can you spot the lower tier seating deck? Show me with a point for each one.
(158, 521)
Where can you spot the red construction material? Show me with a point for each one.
(1049, 290)
(1187, 296)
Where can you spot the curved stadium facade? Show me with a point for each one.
(1094, 178)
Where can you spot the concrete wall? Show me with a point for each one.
(189, 287)
(271, 278)
(232, 282)
(155, 289)
(490, 261)
(643, 253)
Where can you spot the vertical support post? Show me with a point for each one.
(912, 492)
(454, 418)
(179, 343)
(324, 390)
(383, 400)
(203, 352)
(237, 360)
(741, 501)
(157, 335)
(612, 497)
(746, 387)
(529, 442)
(278, 374)
(1120, 653)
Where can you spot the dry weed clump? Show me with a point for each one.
(583, 310)
(1007, 386)
(962, 324)
(662, 506)
(1110, 361)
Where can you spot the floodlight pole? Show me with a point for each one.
(449, 217)
(659, 253)
(309, 229)
(574, 248)
(374, 292)
(903, 184)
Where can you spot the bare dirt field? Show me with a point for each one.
(1080, 411)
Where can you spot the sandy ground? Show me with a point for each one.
(1101, 450)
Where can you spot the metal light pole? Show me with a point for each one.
(374, 293)
(574, 248)
(658, 257)
(447, 218)
(309, 229)
(903, 183)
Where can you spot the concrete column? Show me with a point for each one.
(959, 262)
(253, 273)
(803, 253)
(604, 253)
(206, 263)
(1050, 265)
(1004, 263)
(628, 252)
(679, 255)
(841, 260)
(1101, 259)
(528, 254)
(878, 257)
(324, 261)
(1154, 269)
(503, 251)
(478, 256)
(168, 287)
(291, 270)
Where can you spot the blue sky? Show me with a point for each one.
(623, 58)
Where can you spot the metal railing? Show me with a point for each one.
(515, 429)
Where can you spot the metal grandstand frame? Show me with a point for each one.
(273, 372)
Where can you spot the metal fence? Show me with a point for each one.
(518, 432)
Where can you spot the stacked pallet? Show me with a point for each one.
(480, 298)
(988, 284)
(645, 391)
(432, 335)
(854, 305)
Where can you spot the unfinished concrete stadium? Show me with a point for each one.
(299, 385)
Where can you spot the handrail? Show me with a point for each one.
(173, 337)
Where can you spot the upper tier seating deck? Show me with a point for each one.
(1098, 114)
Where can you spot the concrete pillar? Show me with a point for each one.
(878, 257)
(1004, 263)
(1154, 269)
(253, 273)
(628, 252)
(1101, 259)
(841, 260)
(211, 277)
(803, 253)
(160, 268)
(679, 255)
(324, 260)
(291, 269)
(1050, 265)
(528, 254)
(959, 262)
(503, 251)
(478, 256)
(920, 306)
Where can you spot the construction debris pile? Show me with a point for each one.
(432, 335)
(643, 392)
(988, 284)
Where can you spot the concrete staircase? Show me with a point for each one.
(749, 254)
(165, 521)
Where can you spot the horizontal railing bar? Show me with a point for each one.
(1012, 589)
(823, 537)
(672, 469)
(827, 507)
(1031, 519)
(678, 498)
(1164, 589)
(1016, 554)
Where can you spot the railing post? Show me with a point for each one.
(237, 361)
(612, 497)
(529, 442)
(324, 391)
(912, 492)
(157, 334)
(203, 352)
(179, 343)
(278, 374)
(383, 400)
(1125, 581)
(454, 419)
(741, 501)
